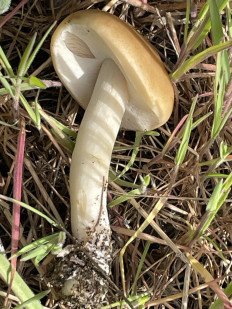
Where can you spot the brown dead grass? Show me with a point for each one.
(46, 165)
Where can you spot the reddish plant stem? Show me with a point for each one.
(17, 192)
(13, 12)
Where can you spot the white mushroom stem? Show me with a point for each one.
(92, 155)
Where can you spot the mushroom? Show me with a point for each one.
(118, 77)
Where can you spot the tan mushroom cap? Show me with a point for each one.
(82, 42)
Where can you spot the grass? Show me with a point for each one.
(170, 193)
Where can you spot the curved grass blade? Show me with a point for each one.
(9, 199)
(193, 61)
(30, 302)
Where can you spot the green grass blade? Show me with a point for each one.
(223, 120)
(37, 114)
(63, 139)
(7, 86)
(216, 247)
(25, 56)
(145, 183)
(200, 28)
(186, 136)
(28, 108)
(39, 251)
(218, 107)
(200, 120)
(148, 220)
(216, 200)
(218, 304)
(218, 175)
(121, 182)
(137, 299)
(12, 200)
(228, 183)
(216, 23)
(34, 53)
(44, 252)
(5, 63)
(221, 80)
(56, 125)
(19, 287)
(193, 61)
(138, 138)
(141, 263)
(36, 82)
(35, 244)
(125, 197)
(30, 302)
(3, 123)
(187, 20)
(24, 86)
(203, 24)
(229, 19)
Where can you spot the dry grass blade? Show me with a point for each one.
(186, 164)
